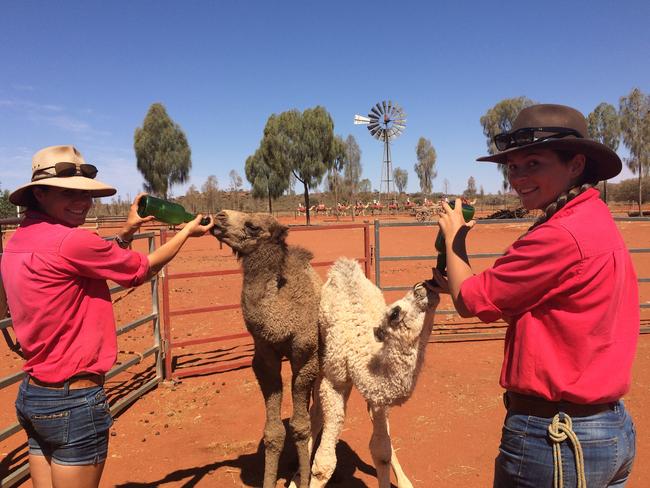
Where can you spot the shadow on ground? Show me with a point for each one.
(251, 466)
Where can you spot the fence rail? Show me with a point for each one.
(378, 225)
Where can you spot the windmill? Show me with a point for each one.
(386, 121)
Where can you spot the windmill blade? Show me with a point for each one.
(378, 106)
(375, 131)
(390, 109)
(372, 125)
(360, 119)
(374, 112)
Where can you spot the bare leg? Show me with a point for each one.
(77, 476)
(333, 404)
(40, 471)
(46, 474)
(267, 367)
(304, 375)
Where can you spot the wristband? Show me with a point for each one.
(122, 243)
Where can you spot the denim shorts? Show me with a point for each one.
(525, 459)
(70, 426)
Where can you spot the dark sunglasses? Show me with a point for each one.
(63, 170)
(525, 136)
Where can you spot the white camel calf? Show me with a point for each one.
(378, 349)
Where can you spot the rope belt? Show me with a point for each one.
(559, 431)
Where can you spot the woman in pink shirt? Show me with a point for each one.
(54, 275)
(569, 293)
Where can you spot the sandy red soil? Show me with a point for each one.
(205, 430)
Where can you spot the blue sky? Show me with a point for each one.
(86, 72)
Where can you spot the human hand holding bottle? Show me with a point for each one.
(454, 217)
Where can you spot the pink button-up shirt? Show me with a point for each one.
(55, 280)
(569, 292)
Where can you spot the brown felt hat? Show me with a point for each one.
(70, 162)
(602, 162)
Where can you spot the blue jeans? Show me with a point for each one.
(70, 426)
(525, 457)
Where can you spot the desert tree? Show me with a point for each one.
(210, 191)
(302, 144)
(425, 167)
(265, 182)
(604, 126)
(365, 186)
(352, 170)
(470, 191)
(499, 119)
(401, 178)
(162, 152)
(634, 113)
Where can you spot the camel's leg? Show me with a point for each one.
(303, 378)
(267, 366)
(333, 402)
(316, 420)
(382, 450)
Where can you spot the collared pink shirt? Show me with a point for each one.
(569, 292)
(55, 279)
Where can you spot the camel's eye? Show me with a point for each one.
(251, 229)
(394, 314)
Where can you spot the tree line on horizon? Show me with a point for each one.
(302, 148)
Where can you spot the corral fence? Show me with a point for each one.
(15, 466)
(173, 347)
(477, 332)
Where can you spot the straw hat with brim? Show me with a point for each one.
(602, 162)
(44, 173)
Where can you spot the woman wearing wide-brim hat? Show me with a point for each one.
(54, 274)
(568, 291)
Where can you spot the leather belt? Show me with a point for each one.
(74, 383)
(540, 407)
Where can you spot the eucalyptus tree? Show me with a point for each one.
(499, 119)
(302, 144)
(352, 170)
(634, 112)
(265, 182)
(425, 167)
(210, 191)
(401, 178)
(604, 126)
(162, 152)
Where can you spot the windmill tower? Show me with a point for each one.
(385, 121)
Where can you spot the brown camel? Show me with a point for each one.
(280, 301)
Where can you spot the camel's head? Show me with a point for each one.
(405, 319)
(245, 232)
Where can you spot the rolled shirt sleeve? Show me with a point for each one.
(93, 257)
(534, 268)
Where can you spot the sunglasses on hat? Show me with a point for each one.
(63, 170)
(525, 136)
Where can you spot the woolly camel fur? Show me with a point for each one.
(280, 299)
(378, 349)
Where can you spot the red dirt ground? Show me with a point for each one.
(205, 431)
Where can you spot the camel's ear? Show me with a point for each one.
(279, 232)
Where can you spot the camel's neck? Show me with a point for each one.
(262, 267)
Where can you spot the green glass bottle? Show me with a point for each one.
(166, 211)
(441, 264)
